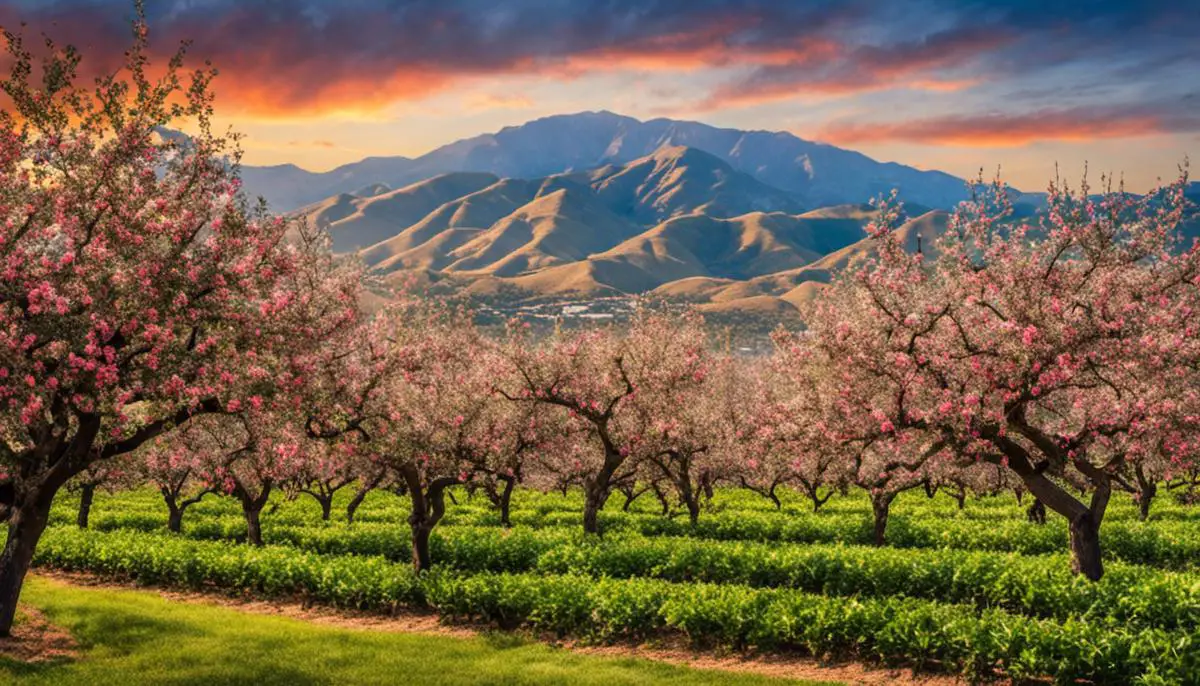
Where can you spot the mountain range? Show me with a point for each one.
(562, 210)
(816, 174)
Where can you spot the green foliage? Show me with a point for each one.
(978, 592)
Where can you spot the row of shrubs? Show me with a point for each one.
(920, 632)
(1036, 585)
(385, 507)
(1171, 545)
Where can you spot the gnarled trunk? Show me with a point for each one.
(252, 507)
(960, 497)
(1085, 547)
(1145, 499)
(176, 507)
(677, 468)
(813, 490)
(420, 545)
(631, 494)
(174, 520)
(87, 493)
(505, 503)
(428, 508)
(27, 520)
(594, 497)
(1084, 519)
(326, 503)
(1147, 489)
(597, 487)
(352, 506)
(364, 488)
(253, 524)
(881, 504)
(664, 502)
(1036, 512)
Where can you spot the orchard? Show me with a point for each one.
(185, 378)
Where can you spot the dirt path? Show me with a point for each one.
(784, 666)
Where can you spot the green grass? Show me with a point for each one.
(136, 637)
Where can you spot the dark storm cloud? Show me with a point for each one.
(308, 57)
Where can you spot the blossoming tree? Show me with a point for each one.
(1053, 348)
(597, 379)
(138, 288)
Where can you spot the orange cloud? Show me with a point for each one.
(280, 62)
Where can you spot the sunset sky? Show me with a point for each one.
(938, 85)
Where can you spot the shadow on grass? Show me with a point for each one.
(131, 637)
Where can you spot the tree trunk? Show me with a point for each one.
(961, 498)
(1084, 519)
(663, 501)
(693, 508)
(1036, 512)
(510, 483)
(428, 508)
(598, 487)
(1147, 489)
(594, 498)
(1085, 547)
(326, 503)
(253, 525)
(690, 498)
(176, 508)
(1145, 498)
(86, 495)
(25, 526)
(775, 498)
(174, 519)
(813, 491)
(420, 546)
(881, 503)
(357, 500)
(631, 494)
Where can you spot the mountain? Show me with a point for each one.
(356, 222)
(813, 174)
(475, 222)
(561, 226)
(800, 285)
(677, 180)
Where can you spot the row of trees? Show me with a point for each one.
(155, 327)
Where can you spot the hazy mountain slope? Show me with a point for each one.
(785, 283)
(566, 225)
(676, 180)
(816, 173)
(355, 223)
(372, 190)
(529, 224)
(436, 253)
(477, 210)
(737, 248)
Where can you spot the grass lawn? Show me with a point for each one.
(137, 637)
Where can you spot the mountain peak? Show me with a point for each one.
(815, 173)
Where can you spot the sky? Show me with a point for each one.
(957, 86)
